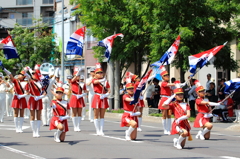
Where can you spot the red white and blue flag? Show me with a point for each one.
(232, 85)
(108, 44)
(168, 56)
(75, 43)
(199, 60)
(9, 49)
(141, 86)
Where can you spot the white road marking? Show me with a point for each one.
(223, 134)
(20, 152)
(11, 127)
(118, 138)
(229, 157)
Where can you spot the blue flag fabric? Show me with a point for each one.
(9, 48)
(232, 85)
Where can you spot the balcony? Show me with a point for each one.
(7, 23)
(25, 21)
(48, 20)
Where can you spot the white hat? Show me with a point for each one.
(81, 77)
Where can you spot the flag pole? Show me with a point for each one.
(62, 55)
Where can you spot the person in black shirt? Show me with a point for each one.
(156, 94)
(221, 88)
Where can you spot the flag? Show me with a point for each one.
(232, 85)
(108, 44)
(9, 49)
(75, 43)
(199, 60)
(141, 86)
(168, 56)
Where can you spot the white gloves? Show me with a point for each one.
(36, 98)
(135, 114)
(169, 99)
(21, 96)
(214, 104)
(208, 115)
(54, 106)
(81, 95)
(183, 84)
(141, 97)
(102, 80)
(78, 73)
(151, 77)
(7, 72)
(104, 96)
(61, 118)
(56, 73)
(181, 118)
(27, 76)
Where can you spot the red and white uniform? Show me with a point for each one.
(61, 110)
(179, 109)
(18, 89)
(229, 102)
(165, 94)
(127, 110)
(202, 109)
(77, 90)
(35, 89)
(99, 90)
(141, 102)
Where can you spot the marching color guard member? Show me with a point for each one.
(204, 114)
(9, 97)
(100, 104)
(19, 102)
(181, 113)
(129, 117)
(140, 103)
(60, 116)
(76, 101)
(34, 88)
(90, 93)
(3, 88)
(165, 94)
(67, 88)
(82, 84)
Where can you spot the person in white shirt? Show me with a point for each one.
(3, 87)
(67, 88)
(192, 97)
(90, 93)
(209, 80)
(149, 93)
(9, 98)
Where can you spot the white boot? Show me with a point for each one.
(20, 124)
(179, 141)
(238, 116)
(38, 125)
(175, 142)
(198, 134)
(236, 113)
(169, 124)
(16, 124)
(78, 123)
(32, 123)
(96, 123)
(128, 133)
(75, 121)
(57, 135)
(139, 124)
(205, 130)
(164, 123)
(83, 113)
(101, 127)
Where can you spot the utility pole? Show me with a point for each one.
(62, 55)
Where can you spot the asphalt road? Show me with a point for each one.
(151, 143)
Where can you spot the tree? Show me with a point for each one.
(34, 45)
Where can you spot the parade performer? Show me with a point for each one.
(67, 88)
(100, 104)
(60, 115)
(82, 84)
(165, 94)
(19, 102)
(204, 114)
(181, 113)
(34, 88)
(90, 93)
(140, 104)
(9, 97)
(129, 117)
(76, 101)
(3, 87)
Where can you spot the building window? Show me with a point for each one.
(4, 15)
(47, 1)
(27, 15)
(24, 2)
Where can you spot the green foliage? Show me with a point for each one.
(151, 26)
(34, 45)
(116, 111)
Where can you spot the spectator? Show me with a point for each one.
(221, 88)
(172, 81)
(149, 94)
(236, 106)
(210, 94)
(192, 97)
(209, 80)
(156, 93)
